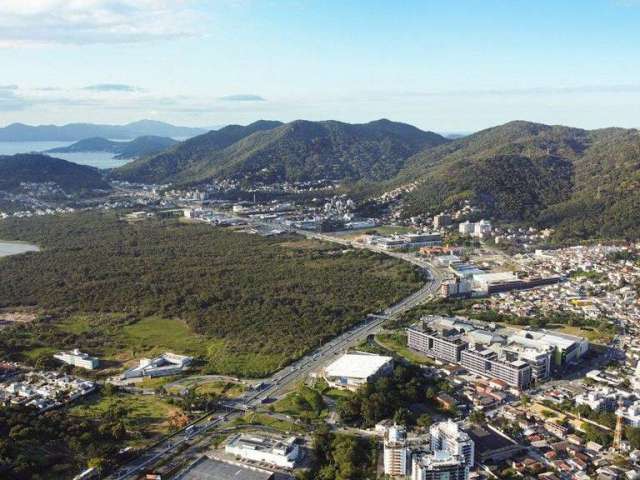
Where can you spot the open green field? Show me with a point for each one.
(304, 402)
(146, 416)
(269, 421)
(397, 343)
(242, 304)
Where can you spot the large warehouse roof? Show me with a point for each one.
(357, 365)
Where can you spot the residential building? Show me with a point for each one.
(441, 221)
(279, 452)
(450, 437)
(78, 359)
(396, 452)
(438, 465)
(354, 369)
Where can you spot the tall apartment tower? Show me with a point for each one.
(449, 437)
(396, 452)
(617, 436)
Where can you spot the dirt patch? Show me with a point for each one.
(11, 317)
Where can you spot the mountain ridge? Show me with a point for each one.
(72, 132)
(298, 150)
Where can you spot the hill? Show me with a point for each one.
(137, 147)
(36, 168)
(297, 151)
(72, 132)
(584, 183)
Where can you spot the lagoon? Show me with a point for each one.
(15, 248)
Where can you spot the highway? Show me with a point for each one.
(285, 379)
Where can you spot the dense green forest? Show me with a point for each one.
(584, 183)
(242, 296)
(296, 151)
(55, 445)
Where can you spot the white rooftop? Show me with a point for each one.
(357, 365)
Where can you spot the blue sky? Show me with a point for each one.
(441, 65)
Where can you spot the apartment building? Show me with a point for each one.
(396, 452)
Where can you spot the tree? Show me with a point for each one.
(424, 421)
(402, 416)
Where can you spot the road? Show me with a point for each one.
(285, 379)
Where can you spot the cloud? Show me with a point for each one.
(243, 98)
(10, 101)
(557, 90)
(112, 87)
(82, 22)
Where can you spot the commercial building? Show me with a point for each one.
(445, 345)
(354, 369)
(516, 357)
(516, 374)
(78, 359)
(407, 241)
(438, 465)
(166, 364)
(276, 451)
(492, 446)
(396, 452)
(450, 437)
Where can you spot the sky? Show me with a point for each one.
(446, 66)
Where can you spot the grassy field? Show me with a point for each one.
(268, 421)
(593, 335)
(397, 343)
(304, 402)
(129, 342)
(147, 416)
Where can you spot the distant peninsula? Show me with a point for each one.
(136, 148)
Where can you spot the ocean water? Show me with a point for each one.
(93, 159)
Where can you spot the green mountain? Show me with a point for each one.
(36, 168)
(584, 183)
(138, 147)
(296, 151)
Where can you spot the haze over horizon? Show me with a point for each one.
(441, 67)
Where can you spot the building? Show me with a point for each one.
(602, 400)
(516, 374)
(516, 357)
(166, 364)
(275, 451)
(445, 345)
(631, 414)
(208, 469)
(450, 437)
(482, 229)
(355, 369)
(438, 465)
(78, 359)
(492, 446)
(441, 221)
(466, 228)
(396, 452)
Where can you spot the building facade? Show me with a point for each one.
(396, 452)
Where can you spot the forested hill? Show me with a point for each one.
(35, 168)
(585, 183)
(296, 151)
(138, 147)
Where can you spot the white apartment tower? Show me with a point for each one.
(396, 452)
(449, 437)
